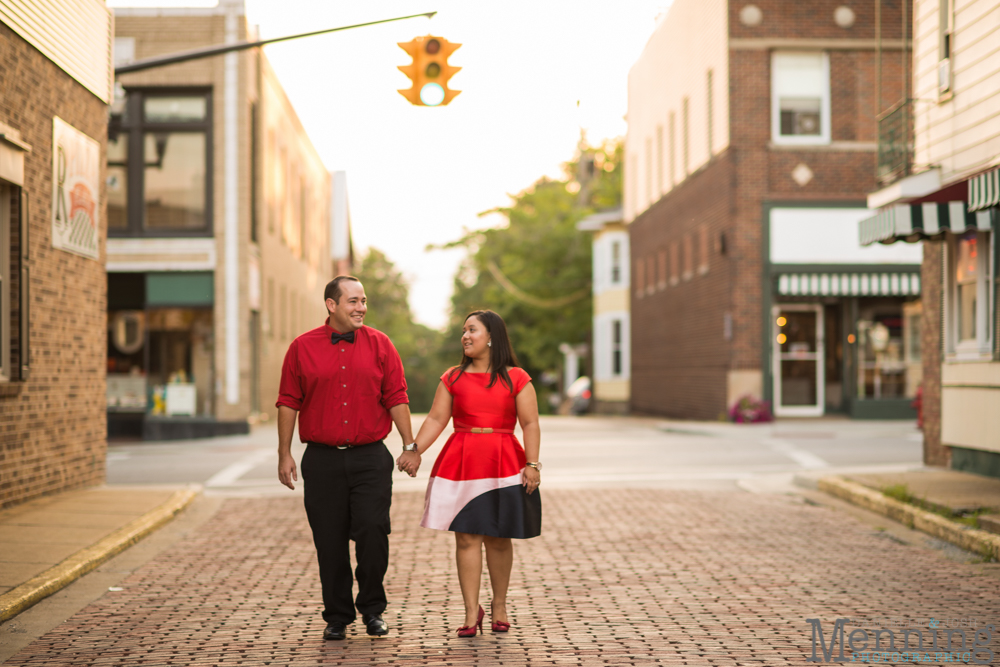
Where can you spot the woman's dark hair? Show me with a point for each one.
(501, 352)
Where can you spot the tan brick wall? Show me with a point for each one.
(53, 429)
(296, 266)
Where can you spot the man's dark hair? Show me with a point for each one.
(333, 288)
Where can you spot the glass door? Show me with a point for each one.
(798, 360)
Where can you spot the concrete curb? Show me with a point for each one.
(39, 587)
(971, 539)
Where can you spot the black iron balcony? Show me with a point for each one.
(895, 143)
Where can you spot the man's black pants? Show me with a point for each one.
(347, 495)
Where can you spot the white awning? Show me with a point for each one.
(881, 283)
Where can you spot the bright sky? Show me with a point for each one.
(420, 175)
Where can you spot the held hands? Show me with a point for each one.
(530, 479)
(408, 462)
(286, 471)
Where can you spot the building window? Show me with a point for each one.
(685, 135)
(639, 277)
(159, 164)
(672, 136)
(800, 98)
(703, 250)
(688, 272)
(659, 160)
(946, 33)
(711, 107)
(6, 293)
(970, 295)
(649, 172)
(675, 263)
(616, 347)
(650, 275)
(662, 265)
(616, 262)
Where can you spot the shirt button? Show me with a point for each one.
(345, 386)
(343, 367)
(345, 421)
(345, 403)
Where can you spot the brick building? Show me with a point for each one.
(223, 228)
(939, 163)
(750, 152)
(53, 117)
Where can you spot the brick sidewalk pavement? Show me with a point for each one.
(619, 577)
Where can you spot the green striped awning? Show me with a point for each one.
(900, 282)
(916, 222)
(984, 190)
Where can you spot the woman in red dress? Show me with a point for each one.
(484, 484)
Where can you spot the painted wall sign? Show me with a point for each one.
(76, 168)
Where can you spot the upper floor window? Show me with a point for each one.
(800, 98)
(616, 262)
(159, 164)
(946, 33)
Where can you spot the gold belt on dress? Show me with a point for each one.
(465, 429)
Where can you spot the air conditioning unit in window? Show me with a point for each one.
(944, 76)
(807, 123)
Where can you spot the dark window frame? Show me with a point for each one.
(135, 126)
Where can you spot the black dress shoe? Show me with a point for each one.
(375, 625)
(335, 630)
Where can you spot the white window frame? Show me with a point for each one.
(980, 349)
(7, 297)
(824, 120)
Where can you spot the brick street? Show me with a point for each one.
(618, 577)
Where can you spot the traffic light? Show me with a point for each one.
(429, 71)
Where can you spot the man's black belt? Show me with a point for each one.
(323, 444)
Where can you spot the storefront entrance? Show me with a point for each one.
(798, 355)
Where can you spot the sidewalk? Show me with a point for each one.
(52, 541)
(957, 507)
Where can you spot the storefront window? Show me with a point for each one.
(180, 358)
(886, 349)
(969, 296)
(966, 286)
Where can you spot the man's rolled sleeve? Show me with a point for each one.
(393, 380)
(290, 389)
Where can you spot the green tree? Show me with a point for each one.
(536, 270)
(389, 311)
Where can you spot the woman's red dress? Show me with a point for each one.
(475, 485)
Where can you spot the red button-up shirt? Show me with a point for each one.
(342, 392)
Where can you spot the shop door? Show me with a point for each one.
(798, 360)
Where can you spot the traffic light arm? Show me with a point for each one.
(195, 54)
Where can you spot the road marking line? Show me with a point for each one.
(234, 471)
(807, 460)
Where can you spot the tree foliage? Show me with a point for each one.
(419, 346)
(536, 270)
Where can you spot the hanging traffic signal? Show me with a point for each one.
(429, 71)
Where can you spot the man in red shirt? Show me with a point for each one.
(344, 381)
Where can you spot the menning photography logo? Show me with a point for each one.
(878, 641)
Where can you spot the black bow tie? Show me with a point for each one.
(337, 337)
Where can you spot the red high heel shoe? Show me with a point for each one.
(470, 630)
(498, 626)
